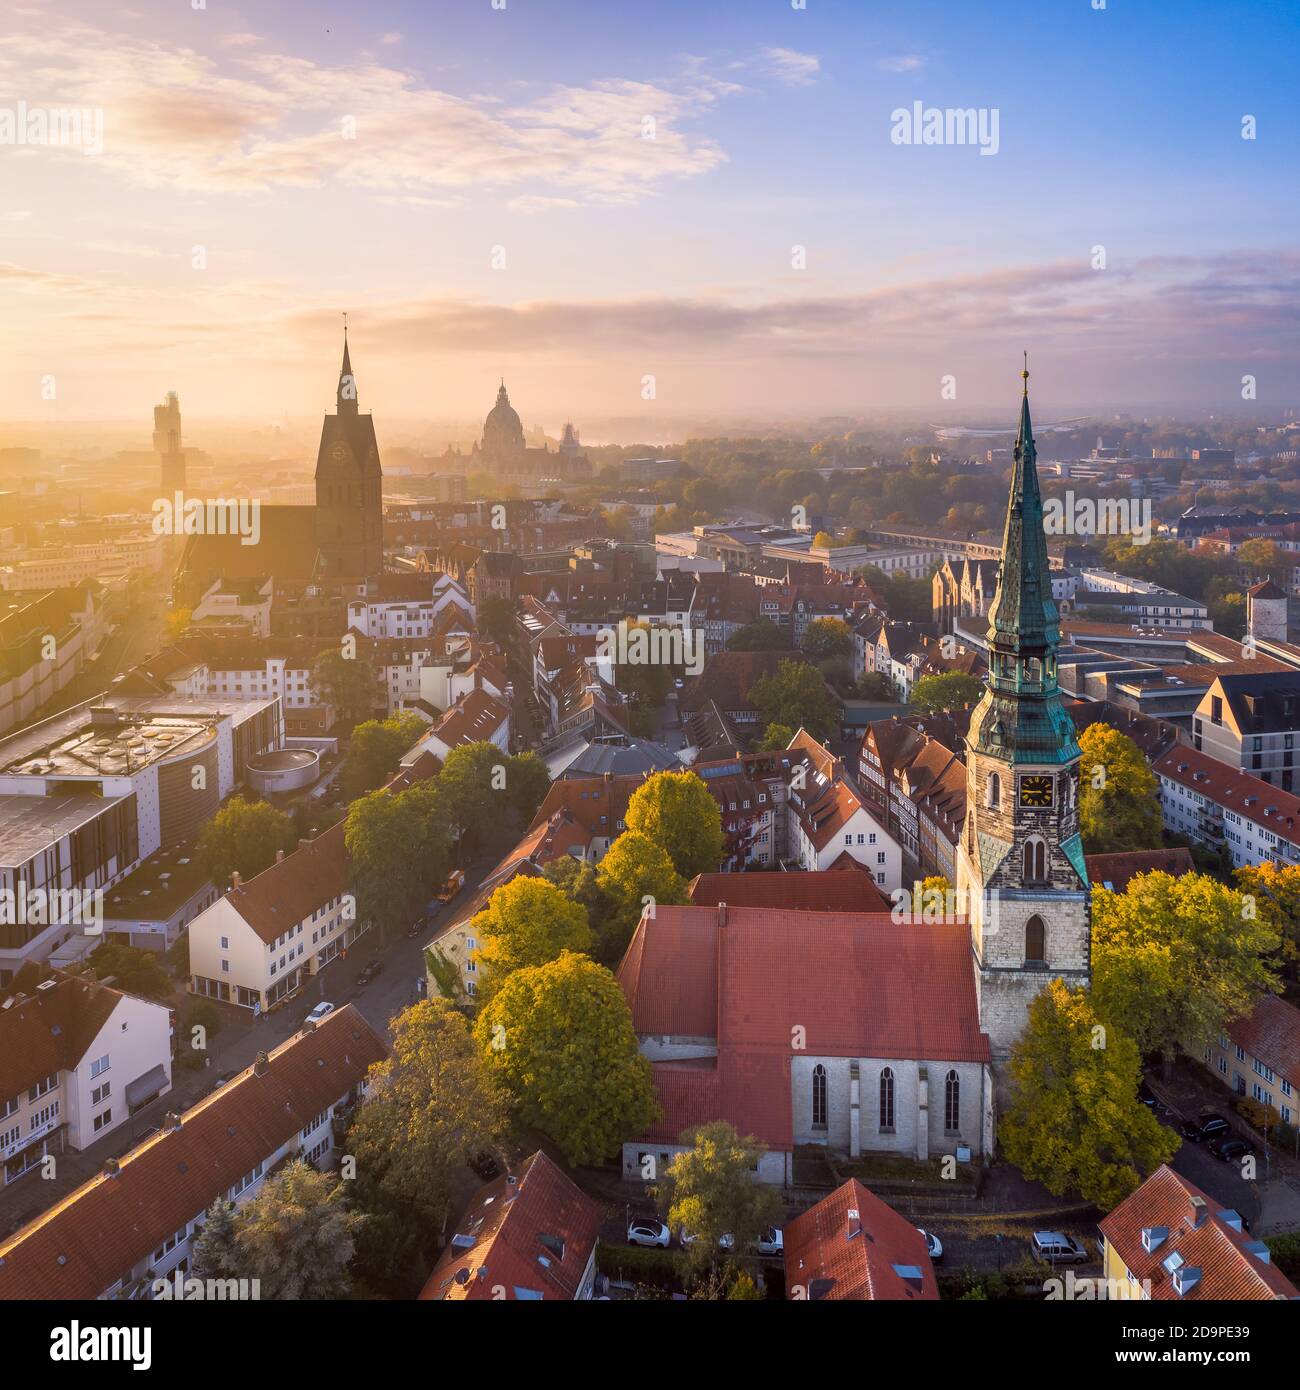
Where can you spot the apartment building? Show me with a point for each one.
(77, 1059)
(135, 1222)
(1251, 721)
(45, 642)
(1259, 1056)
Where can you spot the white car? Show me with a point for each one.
(933, 1246)
(319, 1012)
(771, 1241)
(648, 1233)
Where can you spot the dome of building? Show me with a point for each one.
(503, 434)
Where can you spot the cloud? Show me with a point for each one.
(791, 67)
(538, 202)
(391, 38)
(901, 62)
(257, 120)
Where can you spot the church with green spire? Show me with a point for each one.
(1020, 868)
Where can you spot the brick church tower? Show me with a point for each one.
(1020, 863)
(349, 488)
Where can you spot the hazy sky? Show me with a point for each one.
(377, 157)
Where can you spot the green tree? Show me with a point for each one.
(708, 1190)
(527, 782)
(1119, 798)
(1274, 891)
(795, 694)
(1174, 960)
(1074, 1121)
(243, 838)
(526, 922)
(775, 738)
(678, 813)
(476, 781)
(134, 969)
(760, 636)
(579, 879)
(216, 1254)
(298, 1235)
(560, 1036)
(496, 618)
(351, 684)
(825, 638)
(432, 1105)
(636, 868)
(398, 848)
(375, 750)
(952, 690)
(874, 686)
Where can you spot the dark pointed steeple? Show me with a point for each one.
(347, 390)
(1022, 715)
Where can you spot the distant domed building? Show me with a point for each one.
(505, 450)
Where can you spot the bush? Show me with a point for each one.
(1256, 1113)
(638, 1263)
(1285, 1251)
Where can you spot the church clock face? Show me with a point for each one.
(1036, 791)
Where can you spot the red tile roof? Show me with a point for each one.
(897, 992)
(289, 891)
(48, 1030)
(1237, 791)
(1230, 1268)
(830, 1253)
(849, 890)
(532, 1231)
(1271, 1033)
(1113, 871)
(84, 1244)
(476, 716)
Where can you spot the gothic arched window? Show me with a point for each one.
(1035, 941)
(887, 1100)
(819, 1097)
(993, 793)
(1035, 862)
(952, 1103)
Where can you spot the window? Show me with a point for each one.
(225, 943)
(100, 1093)
(848, 839)
(871, 839)
(1035, 941)
(44, 1087)
(819, 1097)
(993, 792)
(952, 1103)
(1035, 860)
(105, 1117)
(1241, 1053)
(887, 1101)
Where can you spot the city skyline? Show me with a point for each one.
(519, 135)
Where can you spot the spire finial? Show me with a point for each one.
(1024, 375)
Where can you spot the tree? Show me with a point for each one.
(350, 684)
(526, 922)
(560, 1036)
(874, 686)
(243, 838)
(708, 1191)
(824, 638)
(775, 738)
(1175, 960)
(795, 694)
(432, 1105)
(677, 811)
(496, 618)
(136, 970)
(216, 1255)
(1119, 798)
(644, 674)
(476, 781)
(375, 750)
(297, 1235)
(952, 690)
(579, 879)
(398, 848)
(1262, 557)
(177, 622)
(636, 868)
(1275, 893)
(527, 782)
(760, 636)
(1074, 1121)
(823, 540)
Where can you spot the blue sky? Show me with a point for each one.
(478, 129)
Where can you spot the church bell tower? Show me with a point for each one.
(349, 488)
(1020, 864)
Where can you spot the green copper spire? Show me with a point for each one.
(1022, 716)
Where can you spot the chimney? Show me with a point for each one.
(171, 1122)
(111, 1167)
(260, 1064)
(722, 915)
(855, 1223)
(236, 879)
(1198, 1213)
(279, 855)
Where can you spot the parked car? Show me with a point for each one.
(1057, 1248)
(771, 1242)
(369, 971)
(649, 1233)
(1229, 1148)
(1205, 1126)
(933, 1247)
(454, 882)
(1146, 1095)
(485, 1166)
(320, 1011)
